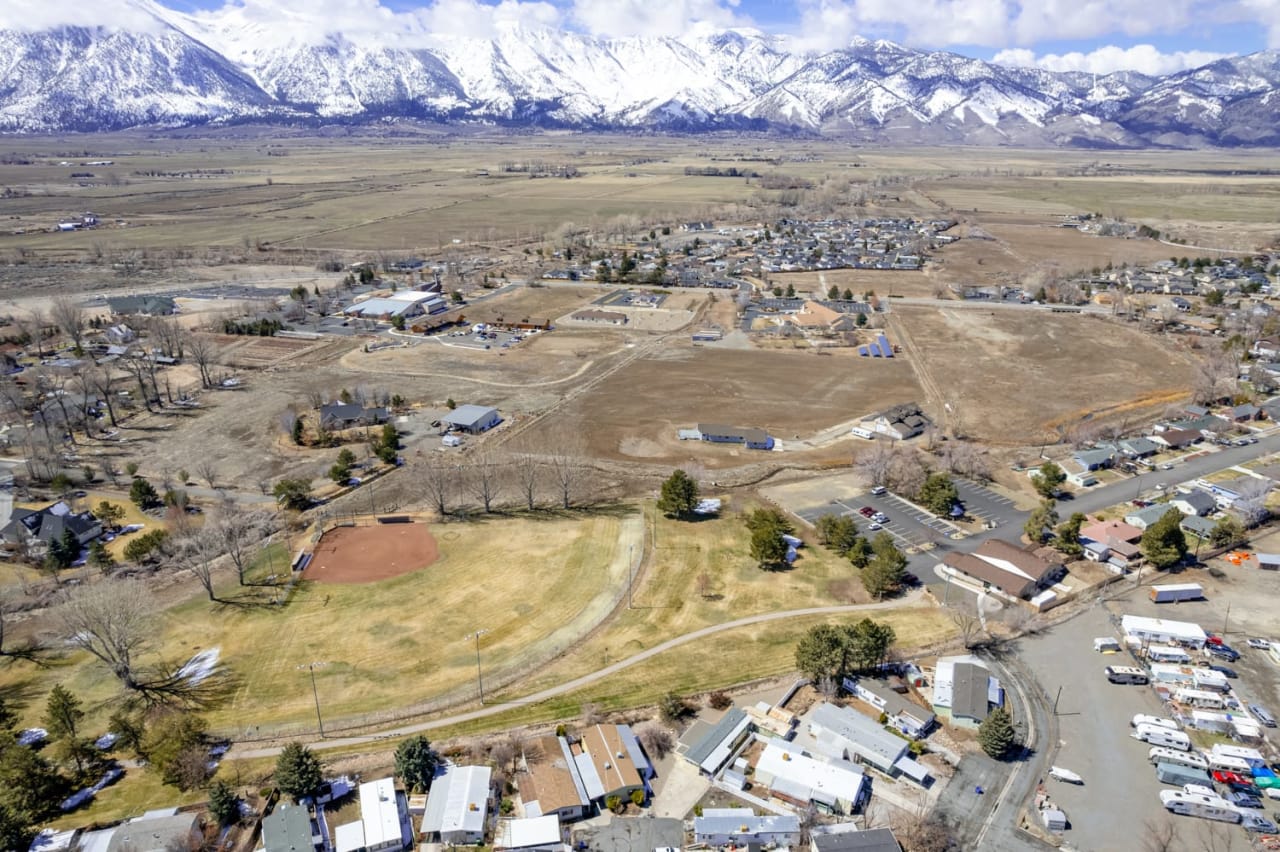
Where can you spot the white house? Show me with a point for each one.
(384, 813)
(793, 776)
(853, 736)
(1162, 631)
(533, 834)
(457, 805)
(740, 826)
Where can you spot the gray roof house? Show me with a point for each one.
(900, 422)
(345, 415)
(846, 732)
(906, 716)
(1194, 502)
(48, 524)
(158, 834)
(708, 747)
(1148, 515)
(288, 829)
(1139, 447)
(1094, 459)
(1198, 526)
(867, 840)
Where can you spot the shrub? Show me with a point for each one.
(719, 700)
(637, 797)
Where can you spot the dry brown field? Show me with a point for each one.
(1011, 377)
(635, 414)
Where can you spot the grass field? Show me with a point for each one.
(700, 574)
(728, 658)
(391, 644)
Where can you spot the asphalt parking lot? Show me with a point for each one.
(986, 505)
(1120, 791)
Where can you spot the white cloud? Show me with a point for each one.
(644, 17)
(1266, 13)
(1143, 58)
(1005, 23)
(482, 20)
(35, 15)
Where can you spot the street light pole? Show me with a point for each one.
(311, 667)
(479, 680)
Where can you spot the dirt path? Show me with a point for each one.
(933, 393)
(914, 597)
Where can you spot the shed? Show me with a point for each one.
(1053, 820)
(472, 418)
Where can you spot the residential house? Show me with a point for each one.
(550, 785)
(1138, 448)
(755, 439)
(472, 419)
(900, 422)
(458, 805)
(531, 834)
(1148, 515)
(850, 839)
(795, 777)
(384, 816)
(119, 334)
(741, 827)
(345, 415)
(1198, 526)
(964, 691)
(1119, 540)
(1162, 631)
(1176, 439)
(905, 715)
(630, 834)
(814, 317)
(846, 734)
(289, 828)
(1266, 349)
(158, 833)
(38, 528)
(1245, 412)
(574, 775)
(1095, 459)
(709, 747)
(1193, 502)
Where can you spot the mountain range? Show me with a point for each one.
(179, 70)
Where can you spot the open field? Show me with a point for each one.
(700, 573)
(1011, 377)
(728, 658)
(391, 644)
(636, 413)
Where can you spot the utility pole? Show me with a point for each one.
(311, 667)
(631, 576)
(1226, 618)
(479, 680)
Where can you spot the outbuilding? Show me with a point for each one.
(473, 419)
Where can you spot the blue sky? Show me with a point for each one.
(1153, 36)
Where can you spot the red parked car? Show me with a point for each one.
(866, 511)
(1232, 779)
(1212, 639)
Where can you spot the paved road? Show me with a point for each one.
(587, 679)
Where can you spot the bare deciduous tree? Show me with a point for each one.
(483, 479)
(438, 482)
(208, 471)
(198, 554)
(875, 463)
(528, 473)
(970, 627)
(112, 621)
(658, 740)
(203, 352)
(68, 316)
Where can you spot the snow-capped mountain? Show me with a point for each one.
(179, 69)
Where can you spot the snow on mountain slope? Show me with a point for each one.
(228, 65)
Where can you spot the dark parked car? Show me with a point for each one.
(1256, 822)
(1244, 800)
(1223, 652)
(1262, 715)
(1224, 671)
